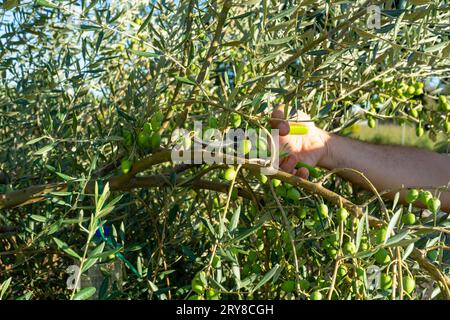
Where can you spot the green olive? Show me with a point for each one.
(409, 284)
(316, 295)
(412, 195)
(332, 252)
(404, 86)
(262, 146)
(293, 194)
(156, 140)
(445, 107)
(197, 285)
(342, 214)
(424, 196)
(144, 140)
(382, 256)
(411, 90)
(262, 178)
(323, 210)
(409, 218)
(211, 294)
(301, 213)
(419, 131)
(363, 246)
(246, 146)
(313, 172)
(349, 248)
(148, 128)
(230, 174)
(399, 93)
(419, 85)
(385, 281)
(126, 165)
(235, 120)
(276, 182)
(156, 120)
(433, 204)
(342, 271)
(381, 235)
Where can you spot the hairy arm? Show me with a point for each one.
(387, 167)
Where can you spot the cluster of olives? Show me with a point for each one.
(147, 139)
(285, 190)
(331, 243)
(425, 197)
(402, 90)
(410, 95)
(350, 275)
(199, 284)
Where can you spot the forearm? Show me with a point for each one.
(388, 167)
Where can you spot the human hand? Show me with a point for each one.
(309, 148)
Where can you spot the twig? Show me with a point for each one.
(287, 225)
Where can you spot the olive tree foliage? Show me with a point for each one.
(80, 186)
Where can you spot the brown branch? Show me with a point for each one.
(444, 281)
(311, 187)
(29, 195)
(121, 181)
(161, 181)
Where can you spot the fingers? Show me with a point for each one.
(302, 173)
(277, 121)
(288, 164)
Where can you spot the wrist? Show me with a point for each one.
(328, 140)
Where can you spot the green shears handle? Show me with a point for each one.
(298, 129)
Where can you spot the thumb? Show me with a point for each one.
(278, 121)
